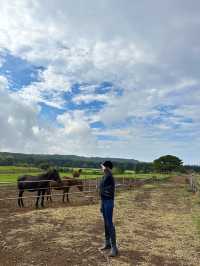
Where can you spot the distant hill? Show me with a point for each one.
(7, 158)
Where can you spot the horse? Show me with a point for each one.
(38, 183)
(77, 174)
(67, 182)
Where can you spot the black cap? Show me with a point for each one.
(108, 164)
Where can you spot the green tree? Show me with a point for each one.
(143, 168)
(44, 166)
(168, 163)
(119, 170)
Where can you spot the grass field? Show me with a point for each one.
(11, 173)
(17, 169)
(156, 225)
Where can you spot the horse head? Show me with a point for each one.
(77, 173)
(54, 175)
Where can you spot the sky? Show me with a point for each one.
(110, 78)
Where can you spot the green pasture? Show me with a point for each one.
(11, 173)
(17, 169)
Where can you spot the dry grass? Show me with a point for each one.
(156, 225)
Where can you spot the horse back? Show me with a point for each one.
(68, 181)
(30, 182)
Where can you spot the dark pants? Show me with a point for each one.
(107, 211)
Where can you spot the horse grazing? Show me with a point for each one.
(38, 183)
(67, 182)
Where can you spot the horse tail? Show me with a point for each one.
(18, 182)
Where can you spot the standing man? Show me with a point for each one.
(107, 193)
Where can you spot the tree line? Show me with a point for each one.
(72, 161)
(163, 164)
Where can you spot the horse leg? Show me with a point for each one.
(20, 201)
(49, 192)
(64, 195)
(67, 194)
(43, 193)
(51, 198)
(38, 196)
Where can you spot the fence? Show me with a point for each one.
(91, 186)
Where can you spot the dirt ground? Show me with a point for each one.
(155, 225)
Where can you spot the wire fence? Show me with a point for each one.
(29, 197)
(91, 187)
(65, 179)
(89, 182)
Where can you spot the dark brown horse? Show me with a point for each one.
(39, 183)
(67, 182)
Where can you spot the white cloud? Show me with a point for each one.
(150, 53)
(49, 89)
(17, 120)
(3, 83)
(21, 131)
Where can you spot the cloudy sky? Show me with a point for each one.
(113, 78)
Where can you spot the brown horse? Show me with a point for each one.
(77, 174)
(67, 182)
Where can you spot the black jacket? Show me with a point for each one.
(107, 187)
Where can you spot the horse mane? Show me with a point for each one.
(72, 181)
(45, 175)
(48, 173)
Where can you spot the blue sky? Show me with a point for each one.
(121, 87)
(18, 71)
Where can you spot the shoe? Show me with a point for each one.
(114, 252)
(105, 247)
